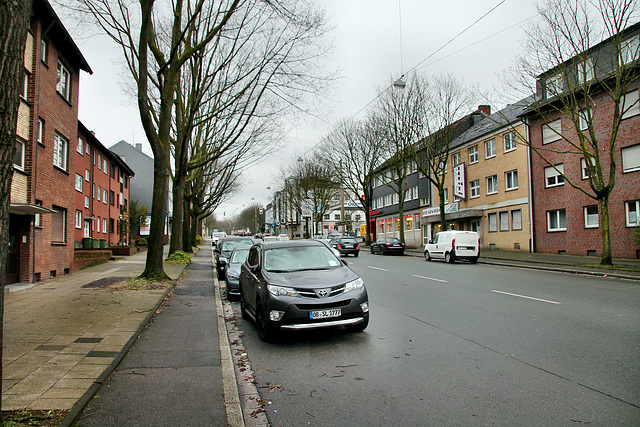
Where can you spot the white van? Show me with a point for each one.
(452, 245)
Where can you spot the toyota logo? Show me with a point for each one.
(323, 293)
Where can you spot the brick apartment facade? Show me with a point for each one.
(565, 219)
(102, 186)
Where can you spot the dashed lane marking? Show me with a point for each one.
(526, 297)
(429, 278)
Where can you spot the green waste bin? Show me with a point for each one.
(86, 243)
(95, 243)
(103, 243)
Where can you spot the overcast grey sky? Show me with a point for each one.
(373, 42)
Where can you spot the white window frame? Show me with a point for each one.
(98, 225)
(446, 196)
(104, 225)
(44, 48)
(456, 158)
(554, 85)
(25, 86)
(79, 182)
(19, 158)
(474, 188)
(87, 148)
(490, 148)
(99, 193)
(39, 130)
(558, 214)
(60, 150)
(105, 197)
(63, 83)
(631, 158)
(583, 120)
(492, 189)
(586, 71)
(510, 141)
(492, 222)
(629, 49)
(556, 172)
(86, 202)
(511, 180)
(78, 219)
(632, 208)
(630, 104)
(551, 131)
(516, 219)
(473, 154)
(105, 167)
(87, 175)
(591, 220)
(503, 222)
(583, 167)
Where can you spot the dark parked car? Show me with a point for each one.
(300, 284)
(232, 270)
(346, 245)
(387, 245)
(223, 250)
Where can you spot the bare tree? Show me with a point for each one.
(357, 154)
(14, 23)
(584, 63)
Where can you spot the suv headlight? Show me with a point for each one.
(353, 285)
(282, 291)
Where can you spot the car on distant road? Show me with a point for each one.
(271, 239)
(453, 245)
(224, 249)
(216, 235)
(298, 285)
(387, 245)
(346, 245)
(283, 236)
(232, 270)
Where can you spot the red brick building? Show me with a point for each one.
(566, 220)
(42, 194)
(102, 183)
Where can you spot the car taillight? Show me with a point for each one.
(339, 246)
(403, 245)
(388, 244)
(453, 244)
(358, 246)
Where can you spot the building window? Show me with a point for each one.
(583, 119)
(493, 222)
(40, 131)
(104, 225)
(99, 161)
(111, 225)
(632, 210)
(509, 141)
(554, 85)
(59, 225)
(86, 202)
(629, 49)
(37, 220)
(99, 191)
(553, 175)
(473, 154)
(18, 158)
(516, 219)
(61, 145)
(511, 179)
(336, 217)
(474, 186)
(631, 158)
(408, 223)
(105, 167)
(585, 70)
(591, 216)
(584, 169)
(78, 219)
(424, 201)
(25, 86)
(79, 182)
(98, 224)
(456, 159)
(87, 148)
(504, 221)
(44, 48)
(63, 85)
(490, 148)
(87, 175)
(557, 220)
(630, 105)
(446, 196)
(551, 131)
(80, 148)
(104, 196)
(492, 184)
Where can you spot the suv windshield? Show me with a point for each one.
(294, 258)
(239, 256)
(230, 245)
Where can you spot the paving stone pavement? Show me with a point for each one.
(60, 337)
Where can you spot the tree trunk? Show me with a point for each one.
(178, 212)
(153, 268)
(14, 23)
(606, 232)
(443, 214)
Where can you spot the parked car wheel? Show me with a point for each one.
(265, 330)
(449, 257)
(427, 256)
(474, 260)
(358, 327)
(356, 254)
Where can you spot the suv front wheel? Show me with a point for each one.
(266, 332)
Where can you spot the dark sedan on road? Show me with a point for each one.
(387, 245)
(300, 284)
(232, 270)
(223, 251)
(346, 245)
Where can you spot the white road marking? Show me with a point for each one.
(377, 268)
(429, 278)
(523, 296)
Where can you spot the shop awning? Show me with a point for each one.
(455, 216)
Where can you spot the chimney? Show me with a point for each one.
(139, 146)
(485, 109)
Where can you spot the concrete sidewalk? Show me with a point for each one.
(63, 336)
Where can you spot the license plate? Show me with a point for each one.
(348, 246)
(325, 314)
